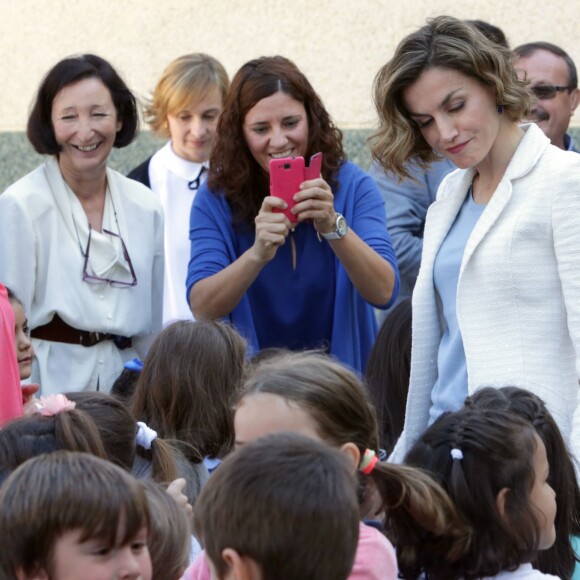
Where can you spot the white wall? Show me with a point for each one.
(339, 44)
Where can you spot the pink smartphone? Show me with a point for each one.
(314, 167)
(287, 174)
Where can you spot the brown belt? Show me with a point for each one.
(57, 330)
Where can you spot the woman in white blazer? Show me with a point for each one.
(80, 244)
(497, 300)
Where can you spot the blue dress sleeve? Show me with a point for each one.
(365, 213)
(211, 237)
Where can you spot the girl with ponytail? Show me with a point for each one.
(312, 394)
(494, 467)
(55, 425)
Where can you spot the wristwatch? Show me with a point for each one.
(340, 229)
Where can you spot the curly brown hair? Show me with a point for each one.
(233, 169)
(446, 43)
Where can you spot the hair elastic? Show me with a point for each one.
(54, 404)
(456, 454)
(135, 365)
(368, 462)
(145, 435)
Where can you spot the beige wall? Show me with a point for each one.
(339, 44)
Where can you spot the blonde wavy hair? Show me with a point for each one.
(448, 43)
(186, 80)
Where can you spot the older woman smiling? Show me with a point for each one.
(80, 244)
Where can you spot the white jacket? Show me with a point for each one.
(41, 260)
(518, 295)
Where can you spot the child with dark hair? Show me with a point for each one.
(312, 394)
(387, 373)
(23, 343)
(11, 406)
(560, 559)
(494, 467)
(124, 385)
(169, 533)
(134, 445)
(189, 381)
(281, 507)
(72, 515)
(57, 425)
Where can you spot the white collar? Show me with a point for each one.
(183, 168)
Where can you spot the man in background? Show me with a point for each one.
(554, 81)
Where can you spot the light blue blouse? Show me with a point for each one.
(450, 390)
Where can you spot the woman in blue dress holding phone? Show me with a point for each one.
(309, 284)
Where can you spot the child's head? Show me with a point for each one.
(124, 385)
(118, 430)
(285, 507)
(72, 515)
(116, 425)
(24, 348)
(170, 533)
(387, 373)
(190, 378)
(311, 394)
(558, 560)
(26, 437)
(494, 467)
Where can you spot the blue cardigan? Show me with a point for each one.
(214, 245)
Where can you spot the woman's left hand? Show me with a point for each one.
(315, 201)
(371, 274)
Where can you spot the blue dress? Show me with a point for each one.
(314, 305)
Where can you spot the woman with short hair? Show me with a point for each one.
(80, 244)
(497, 300)
(184, 108)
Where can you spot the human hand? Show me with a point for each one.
(315, 201)
(175, 490)
(30, 404)
(28, 392)
(272, 229)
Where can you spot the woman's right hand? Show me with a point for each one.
(272, 229)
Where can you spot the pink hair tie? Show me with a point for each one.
(54, 404)
(368, 462)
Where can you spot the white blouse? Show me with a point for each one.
(175, 182)
(43, 234)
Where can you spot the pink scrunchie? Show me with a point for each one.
(54, 404)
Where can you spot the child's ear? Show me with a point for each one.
(500, 500)
(240, 567)
(352, 452)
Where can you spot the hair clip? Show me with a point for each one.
(368, 462)
(54, 404)
(135, 365)
(456, 454)
(145, 436)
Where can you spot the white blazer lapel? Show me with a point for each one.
(494, 209)
(441, 216)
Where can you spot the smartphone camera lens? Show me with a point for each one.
(287, 166)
